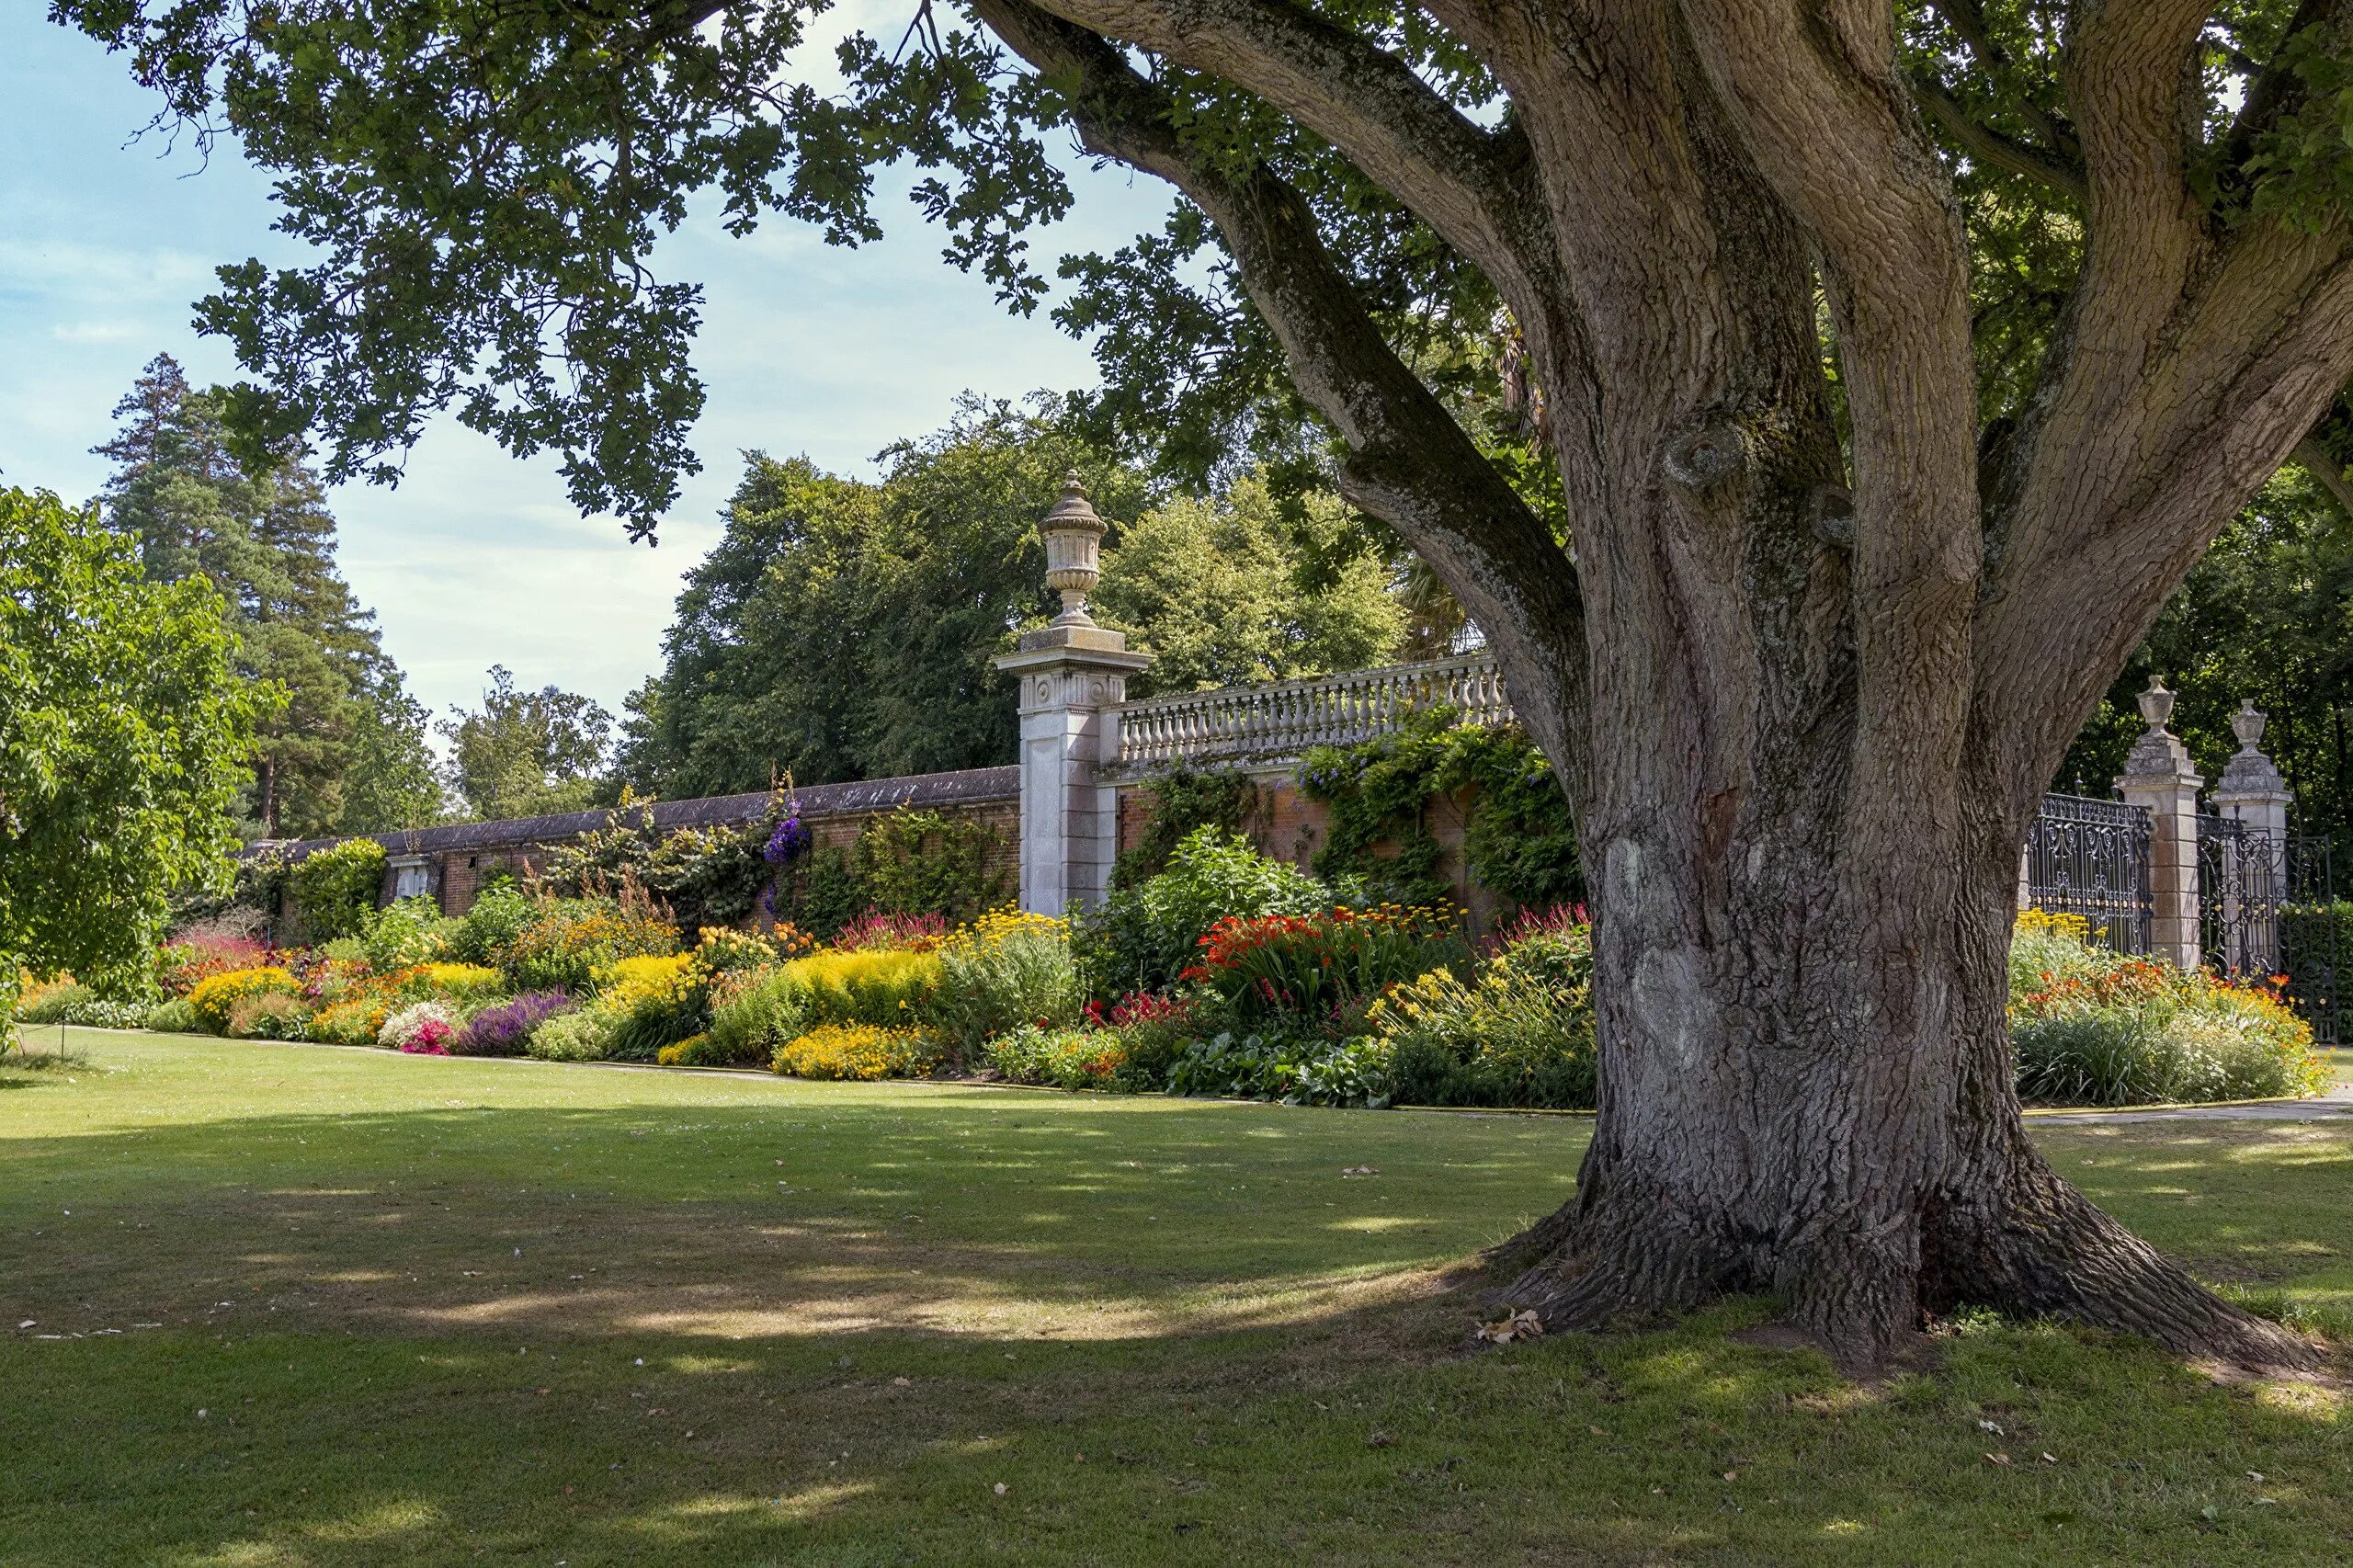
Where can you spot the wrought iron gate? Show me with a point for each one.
(2091, 857)
(2267, 910)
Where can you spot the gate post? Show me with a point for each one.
(2250, 790)
(1073, 677)
(2252, 794)
(2158, 777)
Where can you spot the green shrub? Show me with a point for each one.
(493, 923)
(406, 932)
(50, 1006)
(2090, 1026)
(581, 1035)
(1002, 972)
(759, 1016)
(568, 940)
(1145, 936)
(336, 888)
(177, 1015)
(1518, 1033)
(1295, 1071)
(1064, 1058)
(108, 1013)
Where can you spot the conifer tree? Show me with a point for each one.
(344, 749)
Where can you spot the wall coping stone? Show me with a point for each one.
(966, 786)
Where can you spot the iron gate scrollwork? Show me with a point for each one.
(2268, 912)
(2091, 858)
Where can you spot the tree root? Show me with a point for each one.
(2030, 1247)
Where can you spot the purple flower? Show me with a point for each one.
(502, 1030)
(789, 839)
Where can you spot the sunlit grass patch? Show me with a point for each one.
(613, 1317)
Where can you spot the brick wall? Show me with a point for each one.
(1289, 826)
(458, 859)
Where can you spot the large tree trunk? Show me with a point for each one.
(1810, 669)
(1790, 1106)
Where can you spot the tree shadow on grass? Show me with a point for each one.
(827, 1329)
(748, 1221)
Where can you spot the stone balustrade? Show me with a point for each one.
(1286, 717)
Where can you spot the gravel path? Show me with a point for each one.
(2337, 1102)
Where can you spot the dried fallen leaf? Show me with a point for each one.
(2050, 1458)
(1520, 1325)
(1731, 1476)
(903, 1382)
(1998, 1459)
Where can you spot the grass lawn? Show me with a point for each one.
(347, 1308)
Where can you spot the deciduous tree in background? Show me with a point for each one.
(1893, 364)
(527, 754)
(124, 738)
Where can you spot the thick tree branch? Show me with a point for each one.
(2313, 455)
(1468, 184)
(2192, 357)
(1987, 145)
(1825, 108)
(1409, 462)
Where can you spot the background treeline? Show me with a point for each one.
(845, 629)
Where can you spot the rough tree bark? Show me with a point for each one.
(1806, 689)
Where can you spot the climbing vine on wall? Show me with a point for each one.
(908, 862)
(1518, 842)
(1182, 799)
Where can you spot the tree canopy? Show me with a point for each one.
(124, 732)
(343, 752)
(842, 630)
(527, 754)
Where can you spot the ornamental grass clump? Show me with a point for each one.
(1002, 972)
(2091, 1027)
(877, 928)
(271, 1014)
(1518, 1032)
(863, 1051)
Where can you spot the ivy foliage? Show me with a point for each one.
(336, 888)
(124, 732)
(704, 875)
(910, 861)
(1519, 842)
(1181, 801)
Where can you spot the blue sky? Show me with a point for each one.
(476, 559)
